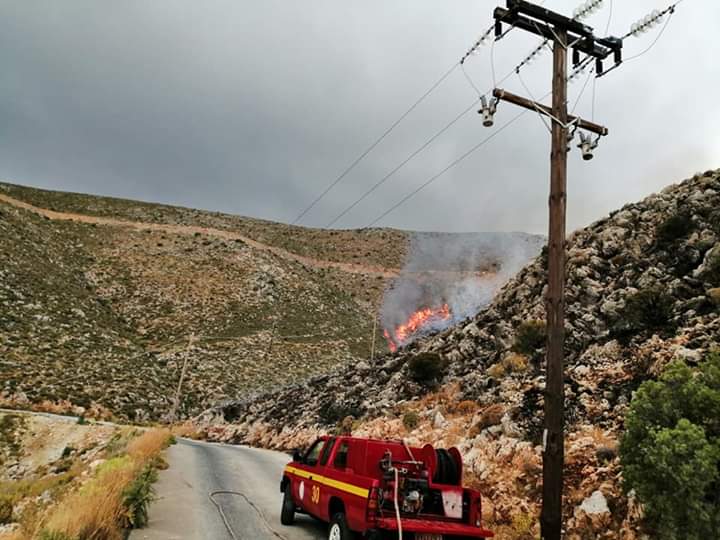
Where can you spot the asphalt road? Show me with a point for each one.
(184, 509)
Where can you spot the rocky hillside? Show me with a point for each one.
(100, 299)
(643, 287)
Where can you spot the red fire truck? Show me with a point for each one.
(382, 489)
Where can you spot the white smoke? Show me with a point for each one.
(463, 271)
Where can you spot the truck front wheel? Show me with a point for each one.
(339, 529)
(287, 514)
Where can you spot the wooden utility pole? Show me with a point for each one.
(176, 401)
(564, 33)
(554, 452)
(372, 347)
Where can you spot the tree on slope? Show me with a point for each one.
(670, 451)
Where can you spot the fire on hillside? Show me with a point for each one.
(422, 320)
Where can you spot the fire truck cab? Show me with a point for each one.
(381, 489)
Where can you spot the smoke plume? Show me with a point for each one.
(462, 271)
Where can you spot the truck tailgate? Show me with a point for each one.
(437, 527)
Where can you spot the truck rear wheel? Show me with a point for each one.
(287, 514)
(339, 529)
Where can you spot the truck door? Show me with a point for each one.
(307, 490)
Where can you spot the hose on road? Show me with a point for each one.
(211, 496)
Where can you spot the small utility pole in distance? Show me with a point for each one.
(564, 33)
(176, 401)
(374, 337)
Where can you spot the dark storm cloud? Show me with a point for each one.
(254, 107)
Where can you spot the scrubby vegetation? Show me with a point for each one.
(712, 268)
(649, 309)
(675, 227)
(426, 367)
(671, 451)
(530, 336)
(138, 496)
(72, 306)
(114, 499)
(410, 420)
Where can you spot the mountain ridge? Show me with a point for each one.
(101, 298)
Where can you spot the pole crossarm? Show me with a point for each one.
(545, 23)
(504, 95)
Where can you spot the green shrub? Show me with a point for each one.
(530, 336)
(670, 451)
(6, 509)
(332, 413)
(674, 228)
(647, 309)
(138, 496)
(410, 420)
(426, 367)
(712, 268)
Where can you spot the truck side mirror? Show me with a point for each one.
(296, 455)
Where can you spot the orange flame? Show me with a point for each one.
(415, 322)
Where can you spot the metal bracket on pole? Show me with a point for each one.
(504, 95)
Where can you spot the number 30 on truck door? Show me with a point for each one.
(315, 494)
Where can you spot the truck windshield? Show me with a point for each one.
(311, 456)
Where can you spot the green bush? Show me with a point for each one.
(6, 509)
(426, 367)
(530, 336)
(138, 496)
(670, 451)
(410, 420)
(647, 309)
(712, 268)
(675, 228)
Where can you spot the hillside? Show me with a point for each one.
(100, 298)
(643, 288)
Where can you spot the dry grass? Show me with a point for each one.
(490, 416)
(523, 527)
(187, 430)
(149, 444)
(464, 407)
(14, 535)
(496, 371)
(96, 511)
(515, 362)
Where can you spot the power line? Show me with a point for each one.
(481, 41)
(582, 90)
(469, 80)
(447, 168)
(643, 25)
(657, 38)
(411, 156)
(607, 26)
(401, 165)
(373, 145)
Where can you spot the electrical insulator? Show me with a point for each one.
(487, 110)
(587, 9)
(587, 145)
(647, 23)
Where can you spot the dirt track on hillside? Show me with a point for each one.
(350, 268)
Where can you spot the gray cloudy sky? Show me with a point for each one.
(254, 107)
